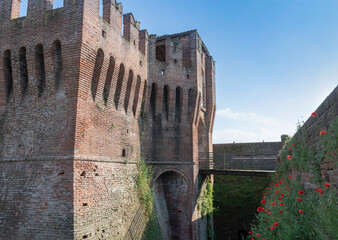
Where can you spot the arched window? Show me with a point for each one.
(153, 97)
(178, 105)
(58, 66)
(97, 72)
(23, 71)
(137, 94)
(119, 86)
(165, 110)
(107, 84)
(8, 74)
(129, 86)
(40, 69)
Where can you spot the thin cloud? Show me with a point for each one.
(228, 113)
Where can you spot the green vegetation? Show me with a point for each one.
(289, 211)
(146, 198)
(205, 205)
(298, 156)
(98, 105)
(236, 200)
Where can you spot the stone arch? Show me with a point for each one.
(172, 203)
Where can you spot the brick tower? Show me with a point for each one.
(80, 103)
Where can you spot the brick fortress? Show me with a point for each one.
(80, 103)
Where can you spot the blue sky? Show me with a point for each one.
(276, 60)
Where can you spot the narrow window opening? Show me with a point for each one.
(119, 86)
(23, 71)
(143, 98)
(141, 63)
(137, 94)
(188, 76)
(107, 84)
(58, 66)
(124, 153)
(97, 73)
(128, 93)
(57, 4)
(104, 34)
(153, 97)
(8, 75)
(162, 72)
(40, 69)
(160, 53)
(166, 102)
(178, 104)
(175, 60)
(191, 102)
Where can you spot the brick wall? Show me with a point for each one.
(326, 112)
(258, 147)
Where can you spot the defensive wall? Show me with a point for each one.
(80, 103)
(309, 135)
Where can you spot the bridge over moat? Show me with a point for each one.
(244, 164)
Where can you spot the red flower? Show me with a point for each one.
(263, 239)
(317, 189)
(263, 201)
(301, 192)
(257, 234)
(272, 228)
(293, 145)
(290, 149)
(282, 204)
(322, 133)
(280, 182)
(300, 211)
(282, 195)
(314, 114)
(321, 191)
(280, 212)
(276, 192)
(268, 212)
(260, 209)
(279, 199)
(327, 184)
(289, 157)
(289, 176)
(299, 199)
(276, 185)
(250, 232)
(252, 239)
(273, 204)
(275, 224)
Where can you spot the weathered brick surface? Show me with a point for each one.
(74, 122)
(310, 130)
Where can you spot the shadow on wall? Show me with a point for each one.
(172, 206)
